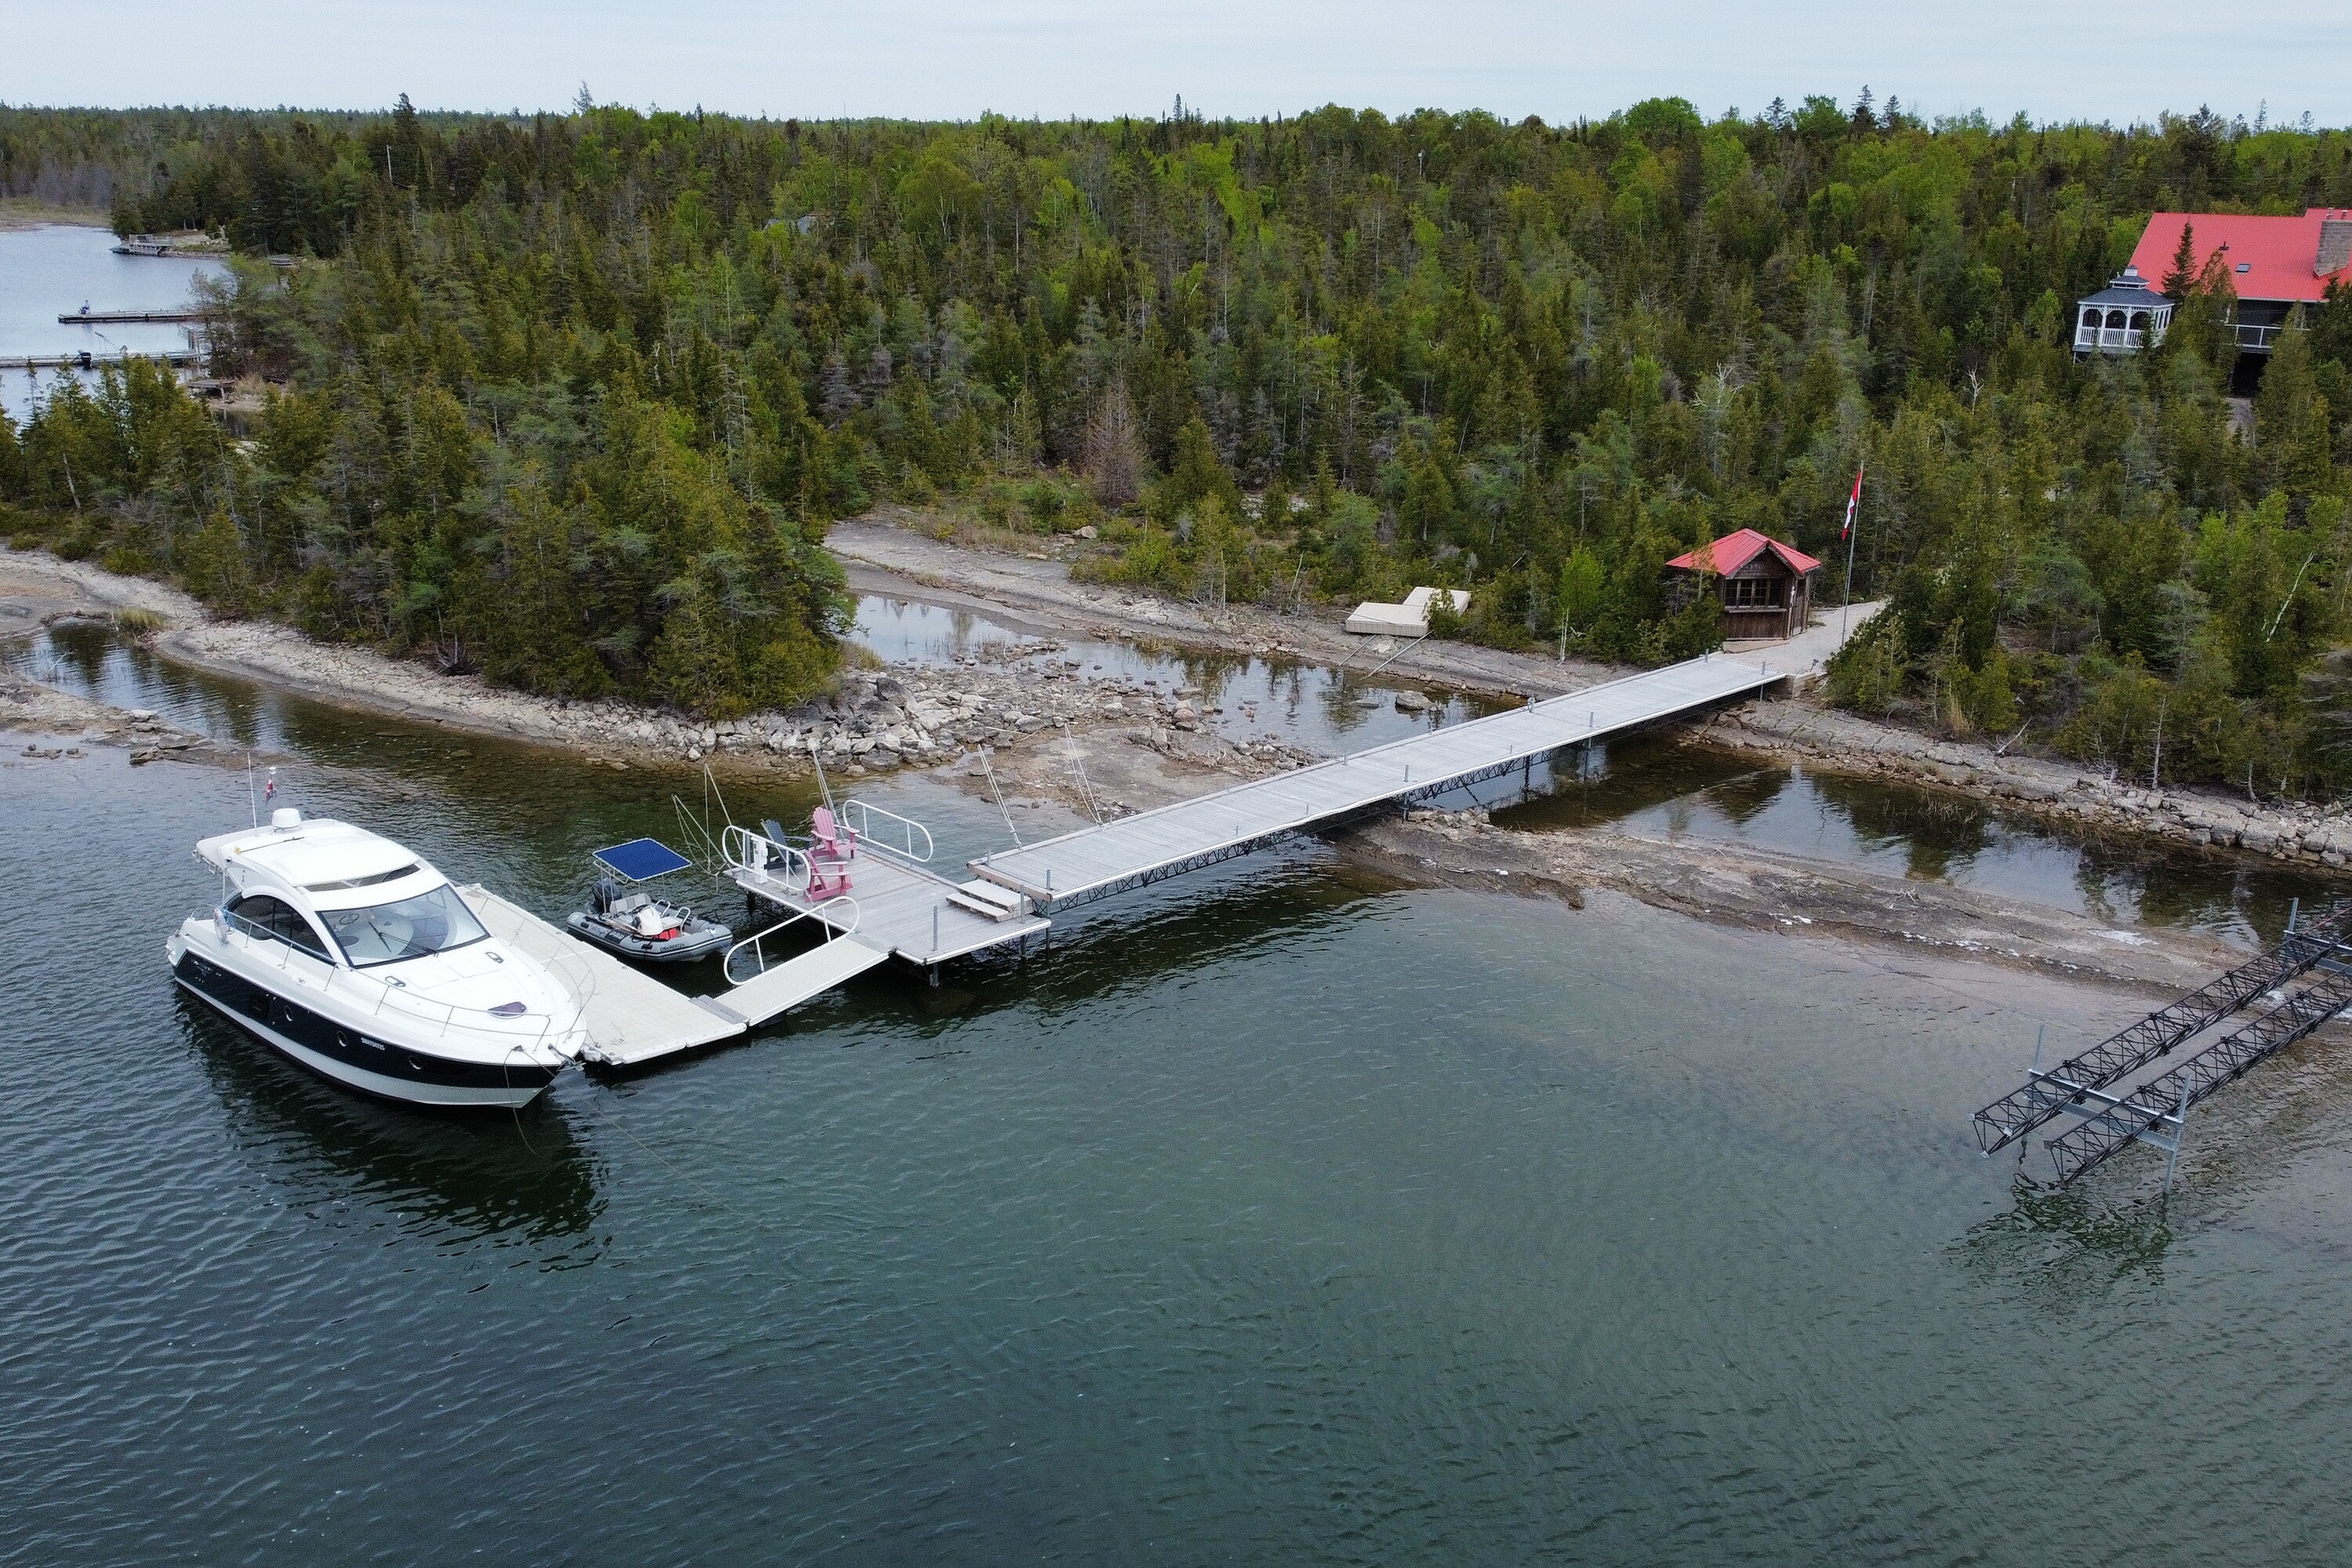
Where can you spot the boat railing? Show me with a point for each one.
(373, 994)
(886, 830)
(756, 941)
(756, 852)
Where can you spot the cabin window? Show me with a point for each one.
(411, 928)
(2090, 321)
(274, 920)
(1751, 594)
(2115, 318)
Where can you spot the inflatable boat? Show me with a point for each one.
(623, 919)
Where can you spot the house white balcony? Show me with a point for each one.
(2108, 339)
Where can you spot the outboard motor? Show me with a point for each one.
(603, 895)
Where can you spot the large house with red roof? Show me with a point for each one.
(1765, 587)
(2273, 263)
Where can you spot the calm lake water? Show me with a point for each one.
(47, 271)
(1277, 1215)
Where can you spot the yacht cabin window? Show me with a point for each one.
(411, 927)
(274, 920)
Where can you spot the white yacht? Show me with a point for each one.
(355, 958)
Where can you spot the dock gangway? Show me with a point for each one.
(1132, 851)
(915, 914)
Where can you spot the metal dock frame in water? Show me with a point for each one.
(1133, 851)
(2156, 1112)
(2083, 1078)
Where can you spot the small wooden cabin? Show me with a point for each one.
(1765, 587)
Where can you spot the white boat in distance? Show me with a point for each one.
(353, 958)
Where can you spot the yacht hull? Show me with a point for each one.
(353, 1058)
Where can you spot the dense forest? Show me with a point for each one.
(573, 397)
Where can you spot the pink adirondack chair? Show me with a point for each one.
(829, 839)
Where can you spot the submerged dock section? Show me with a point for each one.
(2110, 1118)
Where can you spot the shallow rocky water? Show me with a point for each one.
(1242, 697)
(1277, 1214)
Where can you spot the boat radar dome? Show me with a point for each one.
(286, 816)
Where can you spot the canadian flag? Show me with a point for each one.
(1852, 504)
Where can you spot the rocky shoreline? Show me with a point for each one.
(1072, 741)
(874, 720)
(1019, 698)
(2311, 837)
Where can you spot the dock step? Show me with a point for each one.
(992, 900)
(783, 986)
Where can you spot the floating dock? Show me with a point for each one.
(902, 909)
(632, 1018)
(93, 359)
(916, 914)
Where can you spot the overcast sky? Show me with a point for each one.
(2055, 60)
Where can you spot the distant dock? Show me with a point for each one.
(169, 245)
(92, 359)
(86, 318)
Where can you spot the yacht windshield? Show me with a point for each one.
(413, 928)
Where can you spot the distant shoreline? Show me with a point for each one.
(23, 211)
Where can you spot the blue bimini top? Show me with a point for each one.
(640, 860)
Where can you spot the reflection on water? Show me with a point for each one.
(1661, 786)
(474, 1177)
(2068, 1247)
(88, 659)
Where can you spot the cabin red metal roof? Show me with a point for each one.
(2269, 257)
(1734, 551)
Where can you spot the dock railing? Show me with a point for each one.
(745, 850)
(877, 828)
(758, 939)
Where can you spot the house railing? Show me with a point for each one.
(2108, 339)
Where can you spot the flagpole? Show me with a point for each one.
(1852, 517)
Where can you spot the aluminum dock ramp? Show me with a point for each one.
(1184, 837)
(916, 914)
